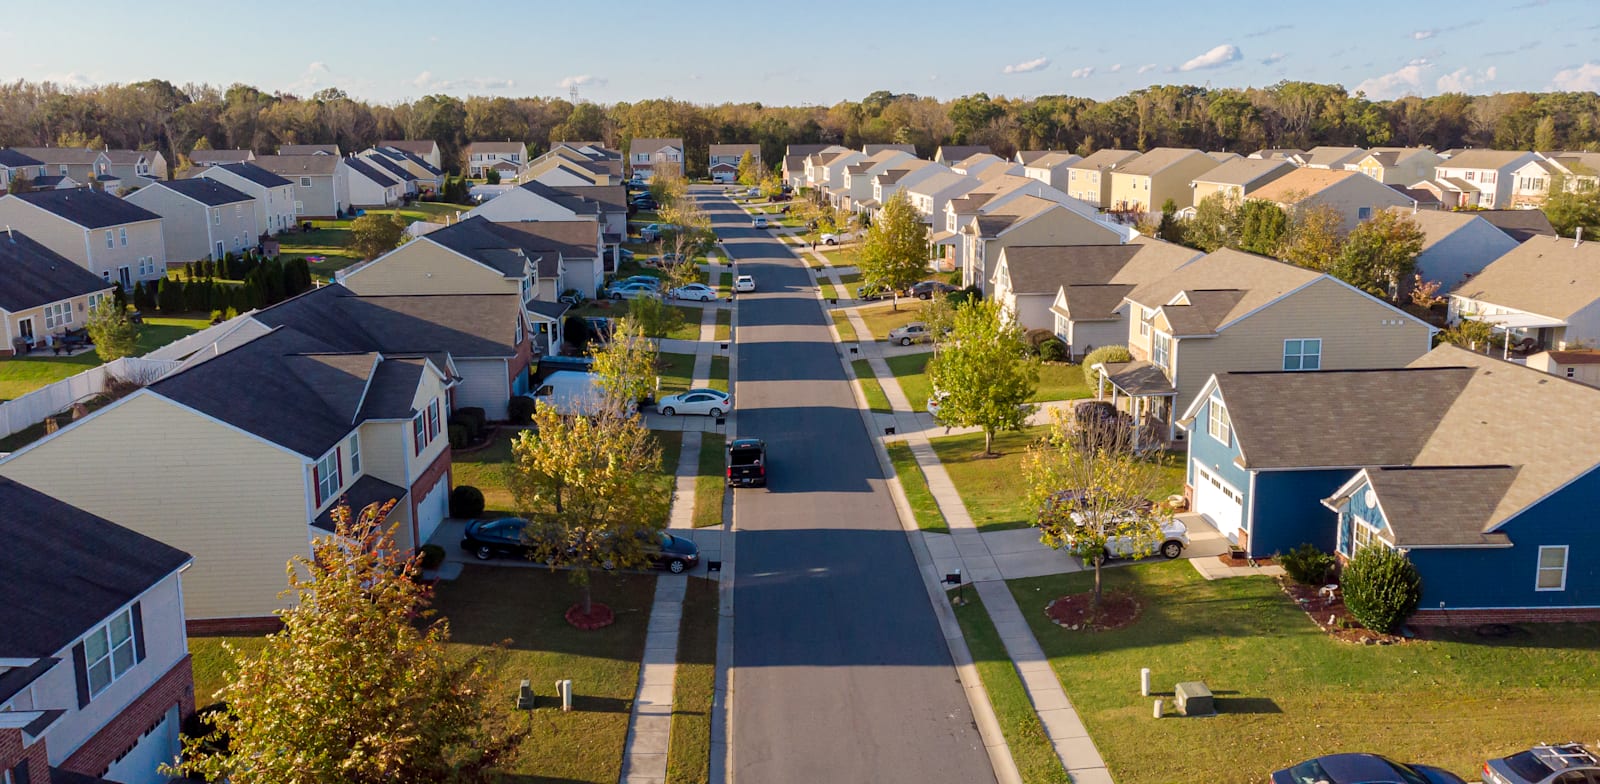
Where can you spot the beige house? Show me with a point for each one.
(42, 294)
(1027, 220)
(82, 165)
(321, 182)
(113, 238)
(723, 163)
(273, 196)
(1355, 196)
(482, 156)
(426, 177)
(1235, 311)
(1238, 179)
(1397, 165)
(201, 218)
(1089, 180)
(1480, 178)
(1329, 157)
(309, 149)
(1147, 182)
(137, 168)
(14, 164)
(1051, 168)
(1544, 293)
(648, 156)
(949, 154)
(426, 149)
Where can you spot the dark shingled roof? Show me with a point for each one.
(59, 776)
(550, 310)
(1204, 313)
(208, 192)
(300, 165)
(389, 167)
(32, 275)
(86, 208)
(253, 173)
(573, 239)
(1138, 378)
(1043, 269)
(365, 169)
(1520, 225)
(366, 490)
(611, 198)
(1094, 302)
(961, 152)
(577, 204)
(12, 158)
(66, 570)
(16, 679)
(1439, 505)
(464, 325)
(479, 239)
(393, 387)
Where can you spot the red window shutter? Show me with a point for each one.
(316, 483)
(338, 466)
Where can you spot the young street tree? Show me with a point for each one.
(114, 335)
(983, 368)
(1380, 253)
(625, 367)
(590, 488)
(353, 689)
(656, 319)
(749, 172)
(1088, 484)
(373, 235)
(895, 253)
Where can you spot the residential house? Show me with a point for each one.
(273, 196)
(1397, 165)
(136, 168)
(1329, 157)
(427, 178)
(1087, 282)
(1234, 311)
(1423, 193)
(1490, 508)
(612, 203)
(991, 196)
(1089, 180)
(929, 193)
(410, 184)
(309, 149)
(1545, 292)
(321, 183)
(1238, 179)
(287, 426)
(111, 237)
(1481, 178)
(1027, 220)
(426, 149)
(874, 149)
(886, 183)
(1520, 225)
(1574, 171)
(1050, 168)
(56, 182)
(856, 192)
(578, 244)
(1353, 195)
(794, 161)
(648, 156)
(536, 201)
(985, 166)
(201, 159)
(507, 157)
(42, 293)
(370, 187)
(82, 165)
(829, 176)
(1581, 365)
(949, 154)
(1027, 157)
(723, 164)
(14, 164)
(1146, 183)
(95, 676)
(577, 164)
(201, 218)
(1455, 247)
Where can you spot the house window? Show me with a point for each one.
(59, 314)
(1470, 175)
(355, 454)
(433, 419)
(1302, 354)
(216, 217)
(1363, 213)
(330, 476)
(419, 433)
(517, 341)
(1144, 322)
(123, 236)
(1161, 349)
(1362, 535)
(1572, 372)
(1217, 424)
(1552, 568)
(111, 240)
(108, 652)
(305, 182)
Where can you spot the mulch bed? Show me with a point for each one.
(1331, 616)
(600, 617)
(1228, 560)
(1118, 609)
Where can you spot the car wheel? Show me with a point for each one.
(1172, 549)
(484, 552)
(905, 341)
(716, 412)
(1105, 555)
(706, 298)
(669, 411)
(677, 566)
(616, 295)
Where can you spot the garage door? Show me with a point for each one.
(157, 747)
(432, 510)
(1219, 502)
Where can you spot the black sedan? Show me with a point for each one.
(488, 539)
(926, 289)
(1361, 769)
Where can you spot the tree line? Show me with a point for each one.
(156, 114)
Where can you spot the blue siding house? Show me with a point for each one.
(1486, 474)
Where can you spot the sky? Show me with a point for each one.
(806, 52)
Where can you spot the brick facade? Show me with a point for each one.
(1529, 615)
(213, 626)
(13, 752)
(124, 732)
(440, 467)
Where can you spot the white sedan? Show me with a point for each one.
(760, 222)
(698, 292)
(705, 402)
(744, 283)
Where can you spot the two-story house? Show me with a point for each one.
(991, 195)
(425, 178)
(828, 176)
(1353, 195)
(507, 157)
(1050, 168)
(42, 293)
(321, 183)
(536, 201)
(1026, 220)
(1146, 183)
(1328, 157)
(1455, 247)
(929, 192)
(95, 676)
(1076, 291)
(14, 164)
(1238, 179)
(1491, 509)
(857, 192)
(576, 164)
(426, 149)
(111, 237)
(370, 186)
(1480, 178)
(136, 168)
(272, 196)
(81, 165)
(948, 154)
(391, 167)
(1089, 179)
(648, 156)
(1543, 293)
(201, 218)
(1235, 311)
(986, 166)
(723, 163)
(886, 183)
(1397, 165)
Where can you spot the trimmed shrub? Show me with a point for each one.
(1053, 350)
(432, 556)
(1036, 338)
(519, 411)
(460, 436)
(466, 501)
(474, 418)
(1381, 588)
(1101, 355)
(1307, 565)
(968, 294)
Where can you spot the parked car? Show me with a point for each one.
(696, 292)
(915, 332)
(829, 239)
(664, 260)
(873, 291)
(1361, 769)
(698, 401)
(744, 283)
(654, 231)
(643, 203)
(747, 462)
(506, 537)
(649, 280)
(1556, 763)
(781, 196)
(760, 222)
(633, 290)
(926, 289)
(753, 192)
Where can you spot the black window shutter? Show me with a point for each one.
(138, 633)
(19, 774)
(80, 669)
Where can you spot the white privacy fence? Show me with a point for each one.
(36, 406)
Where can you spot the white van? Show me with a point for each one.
(573, 393)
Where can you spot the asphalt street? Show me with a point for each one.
(839, 671)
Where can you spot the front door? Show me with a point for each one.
(25, 329)
(125, 274)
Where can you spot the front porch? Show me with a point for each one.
(1141, 390)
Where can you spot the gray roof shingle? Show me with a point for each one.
(208, 192)
(253, 173)
(87, 208)
(32, 275)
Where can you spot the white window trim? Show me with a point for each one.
(110, 654)
(355, 454)
(1540, 568)
(1218, 426)
(1302, 355)
(323, 476)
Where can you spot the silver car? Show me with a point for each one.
(915, 332)
(1556, 763)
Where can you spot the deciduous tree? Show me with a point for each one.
(1568, 208)
(625, 367)
(1262, 225)
(113, 333)
(1380, 253)
(895, 252)
(1312, 240)
(749, 172)
(983, 368)
(656, 319)
(373, 235)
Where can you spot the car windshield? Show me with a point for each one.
(1309, 772)
(745, 455)
(665, 540)
(1528, 766)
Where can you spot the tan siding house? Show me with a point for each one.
(42, 294)
(1355, 196)
(201, 218)
(1145, 183)
(119, 241)
(1089, 180)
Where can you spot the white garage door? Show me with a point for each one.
(1219, 502)
(432, 510)
(159, 746)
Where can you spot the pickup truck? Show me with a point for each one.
(747, 463)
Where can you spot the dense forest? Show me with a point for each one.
(159, 115)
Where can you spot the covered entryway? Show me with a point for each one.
(1220, 502)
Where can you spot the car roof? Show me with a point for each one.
(746, 443)
(1358, 767)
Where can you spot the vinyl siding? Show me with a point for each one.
(384, 453)
(1056, 226)
(1465, 252)
(1354, 193)
(425, 268)
(1288, 510)
(79, 318)
(187, 229)
(484, 384)
(45, 228)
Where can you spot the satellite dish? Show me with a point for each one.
(1370, 498)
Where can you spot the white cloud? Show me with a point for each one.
(70, 79)
(313, 77)
(1029, 66)
(1273, 59)
(1464, 80)
(1583, 78)
(582, 80)
(1216, 58)
(1114, 68)
(1423, 35)
(427, 81)
(1147, 68)
(1405, 80)
(1083, 73)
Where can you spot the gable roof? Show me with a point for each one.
(299, 165)
(87, 208)
(1302, 184)
(72, 156)
(873, 149)
(1438, 225)
(497, 147)
(208, 192)
(577, 204)
(1330, 156)
(1157, 160)
(652, 146)
(1045, 269)
(1048, 160)
(253, 173)
(572, 239)
(609, 198)
(1550, 276)
(385, 163)
(1422, 196)
(67, 570)
(1244, 171)
(1483, 159)
(129, 157)
(477, 239)
(1520, 225)
(1221, 287)
(957, 152)
(1013, 213)
(204, 157)
(32, 275)
(11, 158)
(1100, 160)
(369, 171)
(736, 150)
(413, 146)
(308, 149)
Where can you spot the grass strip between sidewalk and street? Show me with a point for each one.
(915, 485)
(877, 401)
(841, 321)
(689, 752)
(1035, 755)
(710, 482)
(719, 373)
(724, 326)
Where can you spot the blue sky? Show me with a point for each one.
(812, 51)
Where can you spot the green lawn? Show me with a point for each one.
(993, 489)
(841, 257)
(689, 756)
(845, 290)
(724, 326)
(711, 481)
(523, 607)
(676, 372)
(841, 322)
(719, 373)
(724, 285)
(882, 318)
(688, 327)
(1057, 380)
(485, 469)
(24, 374)
(1286, 691)
(1031, 748)
(877, 401)
(923, 506)
(911, 371)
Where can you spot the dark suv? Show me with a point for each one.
(928, 288)
(747, 463)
